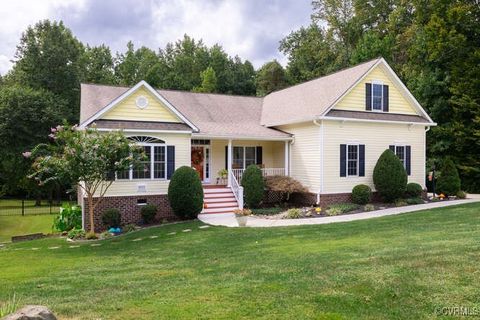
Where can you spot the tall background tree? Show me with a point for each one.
(270, 77)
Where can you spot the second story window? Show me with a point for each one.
(377, 96)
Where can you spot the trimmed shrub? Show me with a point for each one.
(148, 213)
(253, 186)
(267, 211)
(111, 218)
(76, 234)
(294, 213)
(415, 200)
(448, 182)
(369, 207)
(461, 194)
(401, 203)
(91, 236)
(413, 190)
(361, 194)
(185, 193)
(389, 176)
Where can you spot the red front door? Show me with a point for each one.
(198, 159)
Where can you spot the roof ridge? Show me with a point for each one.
(170, 90)
(324, 76)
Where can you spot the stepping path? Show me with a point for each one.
(53, 248)
(172, 233)
(138, 239)
(203, 227)
(187, 230)
(228, 219)
(153, 237)
(95, 245)
(71, 247)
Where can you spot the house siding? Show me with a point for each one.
(128, 110)
(182, 158)
(355, 99)
(305, 154)
(376, 137)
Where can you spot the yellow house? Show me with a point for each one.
(327, 133)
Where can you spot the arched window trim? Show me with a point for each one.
(157, 168)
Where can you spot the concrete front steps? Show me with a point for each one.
(218, 199)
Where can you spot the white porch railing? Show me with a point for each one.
(237, 190)
(238, 173)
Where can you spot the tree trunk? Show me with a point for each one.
(90, 212)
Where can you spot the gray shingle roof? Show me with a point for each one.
(308, 100)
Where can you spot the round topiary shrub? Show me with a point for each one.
(448, 182)
(185, 193)
(361, 194)
(413, 190)
(148, 213)
(253, 186)
(389, 176)
(111, 218)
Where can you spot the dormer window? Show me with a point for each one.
(376, 96)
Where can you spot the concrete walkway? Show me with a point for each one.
(228, 219)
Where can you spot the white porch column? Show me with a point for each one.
(229, 163)
(287, 158)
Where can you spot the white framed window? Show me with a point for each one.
(154, 166)
(243, 157)
(400, 151)
(352, 160)
(377, 95)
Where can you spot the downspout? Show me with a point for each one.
(319, 124)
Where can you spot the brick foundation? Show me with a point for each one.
(129, 210)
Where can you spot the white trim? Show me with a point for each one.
(227, 137)
(377, 121)
(229, 163)
(395, 79)
(130, 91)
(347, 159)
(145, 130)
(286, 155)
(152, 157)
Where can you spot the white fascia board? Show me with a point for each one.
(227, 137)
(429, 124)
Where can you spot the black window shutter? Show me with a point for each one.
(343, 160)
(368, 96)
(392, 148)
(170, 161)
(408, 157)
(361, 160)
(226, 157)
(259, 151)
(385, 98)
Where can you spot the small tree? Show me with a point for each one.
(285, 185)
(185, 193)
(448, 182)
(86, 158)
(389, 176)
(253, 184)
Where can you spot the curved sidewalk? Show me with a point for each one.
(228, 219)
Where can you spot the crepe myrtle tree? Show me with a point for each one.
(86, 158)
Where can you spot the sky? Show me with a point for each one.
(251, 29)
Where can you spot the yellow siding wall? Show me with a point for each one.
(182, 158)
(376, 137)
(355, 99)
(128, 110)
(272, 154)
(305, 154)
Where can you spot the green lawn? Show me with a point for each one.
(20, 225)
(397, 267)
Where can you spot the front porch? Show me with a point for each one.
(222, 162)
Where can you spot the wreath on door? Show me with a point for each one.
(197, 157)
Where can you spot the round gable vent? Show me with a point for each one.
(142, 102)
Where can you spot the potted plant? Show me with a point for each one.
(241, 215)
(222, 176)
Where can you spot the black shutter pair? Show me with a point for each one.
(170, 161)
(408, 157)
(343, 160)
(368, 97)
(258, 151)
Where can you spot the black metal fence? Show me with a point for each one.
(27, 207)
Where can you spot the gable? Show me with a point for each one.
(354, 100)
(154, 111)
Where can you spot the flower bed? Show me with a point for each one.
(342, 208)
